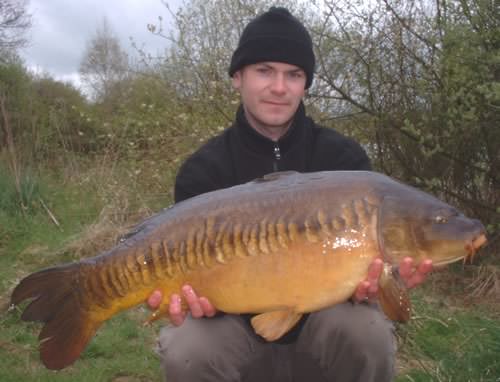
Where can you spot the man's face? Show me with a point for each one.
(270, 92)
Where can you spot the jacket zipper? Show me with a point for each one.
(277, 156)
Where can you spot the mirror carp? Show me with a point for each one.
(280, 246)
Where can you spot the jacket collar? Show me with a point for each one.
(257, 142)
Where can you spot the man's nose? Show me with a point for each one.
(279, 84)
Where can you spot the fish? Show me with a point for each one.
(277, 247)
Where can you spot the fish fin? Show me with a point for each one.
(55, 301)
(161, 312)
(393, 296)
(273, 325)
(275, 176)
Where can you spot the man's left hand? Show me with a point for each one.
(367, 290)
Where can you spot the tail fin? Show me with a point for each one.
(55, 301)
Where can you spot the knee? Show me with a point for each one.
(350, 342)
(356, 328)
(366, 329)
(183, 355)
(205, 349)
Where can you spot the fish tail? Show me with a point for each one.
(57, 302)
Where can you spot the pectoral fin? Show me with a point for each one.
(273, 325)
(160, 312)
(393, 296)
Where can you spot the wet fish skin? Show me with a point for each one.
(283, 245)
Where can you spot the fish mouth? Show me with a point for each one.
(471, 247)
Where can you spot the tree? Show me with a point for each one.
(201, 42)
(14, 21)
(418, 82)
(104, 63)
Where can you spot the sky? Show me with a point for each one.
(62, 28)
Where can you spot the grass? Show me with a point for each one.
(122, 350)
(449, 343)
(450, 338)
(89, 219)
(29, 237)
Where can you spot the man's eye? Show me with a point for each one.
(296, 74)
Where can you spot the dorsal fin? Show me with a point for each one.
(275, 176)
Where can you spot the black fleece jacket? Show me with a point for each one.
(240, 154)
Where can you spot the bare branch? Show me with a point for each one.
(14, 21)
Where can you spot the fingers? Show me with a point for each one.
(197, 306)
(411, 276)
(192, 301)
(154, 300)
(374, 272)
(406, 268)
(175, 312)
(425, 267)
(361, 293)
(367, 290)
(208, 309)
(421, 273)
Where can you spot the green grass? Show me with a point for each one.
(121, 349)
(29, 237)
(446, 343)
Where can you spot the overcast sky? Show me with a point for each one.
(62, 28)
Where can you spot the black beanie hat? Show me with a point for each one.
(275, 36)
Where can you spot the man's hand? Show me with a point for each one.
(367, 290)
(198, 306)
(414, 276)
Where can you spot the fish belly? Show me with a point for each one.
(306, 278)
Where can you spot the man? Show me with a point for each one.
(272, 68)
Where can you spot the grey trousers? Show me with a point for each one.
(345, 343)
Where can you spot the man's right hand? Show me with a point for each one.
(198, 306)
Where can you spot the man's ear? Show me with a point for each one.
(236, 80)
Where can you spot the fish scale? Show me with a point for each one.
(165, 254)
(277, 247)
(111, 282)
(156, 255)
(117, 280)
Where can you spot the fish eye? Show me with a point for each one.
(440, 219)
